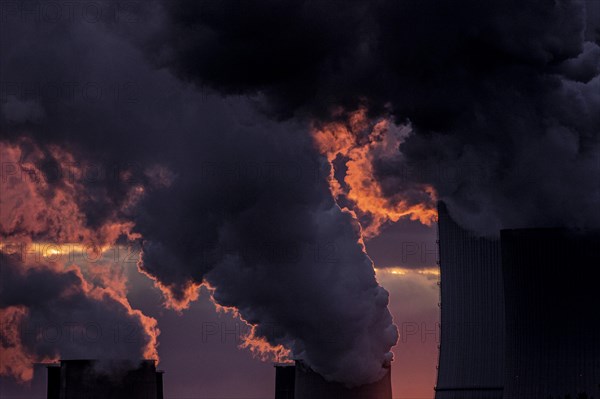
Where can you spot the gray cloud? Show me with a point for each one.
(50, 313)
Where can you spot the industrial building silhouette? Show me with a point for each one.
(298, 381)
(471, 359)
(520, 314)
(95, 379)
(115, 379)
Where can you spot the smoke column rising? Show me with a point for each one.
(240, 205)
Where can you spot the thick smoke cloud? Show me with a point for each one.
(60, 296)
(493, 90)
(222, 196)
(216, 193)
(48, 314)
(265, 234)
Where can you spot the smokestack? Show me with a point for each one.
(552, 318)
(310, 385)
(285, 375)
(471, 360)
(159, 384)
(94, 379)
(53, 391)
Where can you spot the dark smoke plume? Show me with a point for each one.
(503, 98)
(217, 194)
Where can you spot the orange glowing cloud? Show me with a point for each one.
(42, 225)
(185, 296)
(102, 283)
(39, 203)
(14, 359)
(258, 346)
(263, 350)
(111, 284)
(358, 142)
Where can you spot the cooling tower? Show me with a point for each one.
(285, 376)
(471, 359)
(53, 391)
(310, 385)
(552, 313)
(159, 384)
(92, 379)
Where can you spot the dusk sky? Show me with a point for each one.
(221, 185)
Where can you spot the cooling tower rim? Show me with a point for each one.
(137, 362)
(284, 364)
(536, 229)
(44, 363)
(302, 365)
(551, 231)
(385, 365)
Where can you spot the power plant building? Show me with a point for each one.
(285, 378)
(552, 313)
(520, 315)
(471, 359)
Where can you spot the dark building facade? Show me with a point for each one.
(285, 377)
(552, 313)
(471, 358)
(520, 316)
(93, 379)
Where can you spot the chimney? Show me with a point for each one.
(159, 384)
(53, 391)
(285, 376)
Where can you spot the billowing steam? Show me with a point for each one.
(239, 205)
(49, 312)
(269, 241)
(503, 100)
(353, 150)
(376, 110)
(59, 296)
